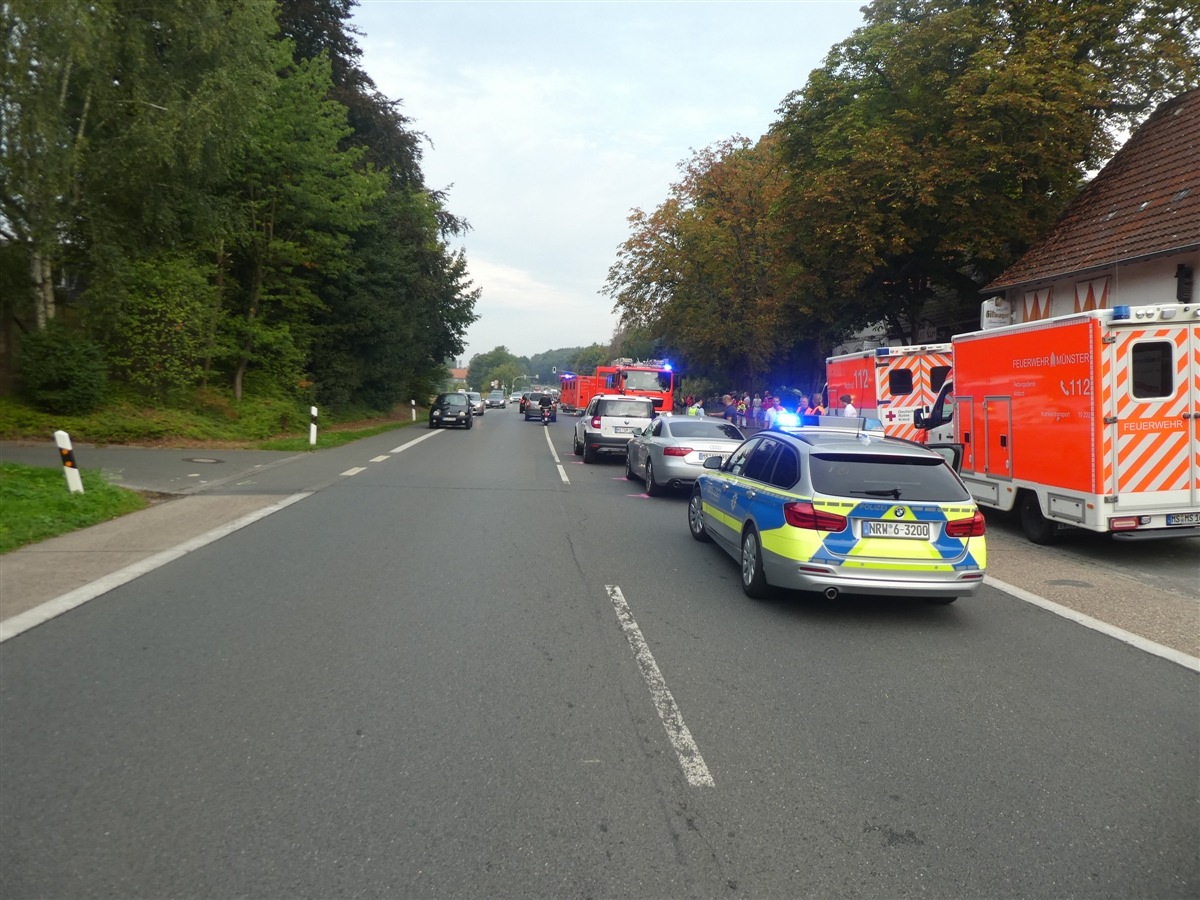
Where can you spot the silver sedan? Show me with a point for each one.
(670, 451)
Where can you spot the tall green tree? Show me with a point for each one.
(497, 365)
(301, 198)
(116, 119)
(706, 270)
(51, 54)
(403, 302)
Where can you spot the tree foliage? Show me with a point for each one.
(942, 138)
(207, 156)
(925, 155)
(495, 365)
(706, 269)
(62, 372)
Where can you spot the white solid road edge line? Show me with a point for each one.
(1144, 644)
(81, 595)
(690, 759)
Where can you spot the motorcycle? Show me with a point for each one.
(545, 415)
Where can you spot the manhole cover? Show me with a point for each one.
(203, 459)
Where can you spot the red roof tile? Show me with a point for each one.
(1144, 203)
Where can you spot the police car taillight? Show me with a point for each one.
(805, 515)
(962, 528)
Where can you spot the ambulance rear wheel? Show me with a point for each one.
(1036, 526)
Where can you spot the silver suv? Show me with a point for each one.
(608, 423)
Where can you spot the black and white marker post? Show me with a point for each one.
(65, 450)
(312, 426)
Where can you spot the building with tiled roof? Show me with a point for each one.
(1131, 237)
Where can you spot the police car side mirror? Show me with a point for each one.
(713, 462)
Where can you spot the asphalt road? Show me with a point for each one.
(470, 669)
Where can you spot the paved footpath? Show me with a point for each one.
(197, 492)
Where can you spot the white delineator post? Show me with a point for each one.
(414, 409)
(312, 426)
(74, 481)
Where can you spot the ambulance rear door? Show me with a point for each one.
(1152, 436)
(964, 416)
(907, 381)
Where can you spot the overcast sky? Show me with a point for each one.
(550, 121)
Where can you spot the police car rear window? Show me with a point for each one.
(901, 479)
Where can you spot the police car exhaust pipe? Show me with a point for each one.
(831, 593)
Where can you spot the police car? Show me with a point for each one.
(841, 510)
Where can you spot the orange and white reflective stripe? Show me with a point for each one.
(900, 423)
(1154, 445)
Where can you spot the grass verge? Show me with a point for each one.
(35, 503)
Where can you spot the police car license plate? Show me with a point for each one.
(915, 530)
(1183, 519)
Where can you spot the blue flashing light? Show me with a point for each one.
(667, 366)
(786, 420)
(1120, 313)
(566, 376)
(882, 351)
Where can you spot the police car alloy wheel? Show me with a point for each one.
(696, 517)
(754, 583)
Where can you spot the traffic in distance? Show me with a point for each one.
(1088, 421)
(835, 507)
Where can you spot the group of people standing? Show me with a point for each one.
(761, 410)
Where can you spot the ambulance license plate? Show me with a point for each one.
(916, 530)
(1184, 519)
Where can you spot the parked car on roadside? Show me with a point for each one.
(450, 410)
(841, 511)
(669, 452)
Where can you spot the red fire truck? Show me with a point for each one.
(649, 378)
